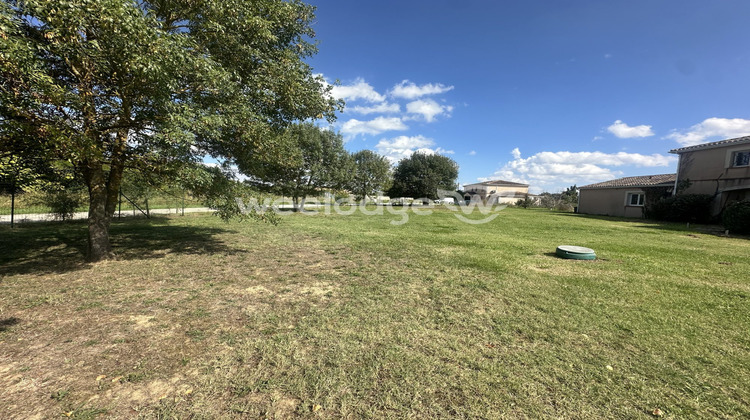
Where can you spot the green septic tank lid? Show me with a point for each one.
(573, 252)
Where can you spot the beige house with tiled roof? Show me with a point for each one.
(496, 192)
(623, 197)
(721, 168)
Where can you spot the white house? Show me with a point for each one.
(496, 192)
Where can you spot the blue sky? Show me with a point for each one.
(551, 93)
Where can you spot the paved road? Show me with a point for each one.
(46, 217)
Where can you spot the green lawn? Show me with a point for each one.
(351, 316)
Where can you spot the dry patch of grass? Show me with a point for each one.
(126, 336)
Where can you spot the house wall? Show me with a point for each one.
(710, 171)
(509, 192)
(475, 188)
(484, 190)
(608, 202)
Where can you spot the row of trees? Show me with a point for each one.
(315, 160)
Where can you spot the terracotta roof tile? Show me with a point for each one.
(635, 181)
(499, 182)
(722, 143)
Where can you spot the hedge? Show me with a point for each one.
(694, 208)
(736, 217)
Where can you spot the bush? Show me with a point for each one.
(564, 206)
(736, 217)
(693, 208)
(63, 203)
(659, 209)
(525, 202)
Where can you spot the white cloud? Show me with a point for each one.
(624, 131)
(358, 90)
(712, 127)
(472, 153)
(355, 127)
(428, 109)
(403, 146)
(409, 90)
(603, 159)
(382, 108)
(550, 171)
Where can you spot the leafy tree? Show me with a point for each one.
(153, 85)
(570, 195)
(525, 202)
(314, 160)
(372, 173)
(421, 175)
(548, 200)
(564, 201)
(18, 173)
(51, 184)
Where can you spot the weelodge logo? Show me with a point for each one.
(451, 199)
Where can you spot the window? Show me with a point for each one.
(741, 158)
(635, 199)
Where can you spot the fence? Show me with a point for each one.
(69, 205)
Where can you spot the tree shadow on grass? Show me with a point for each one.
(710, 229)
(43, 248)
(605, 218)
(635, 221)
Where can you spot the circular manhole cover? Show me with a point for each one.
(573, 252)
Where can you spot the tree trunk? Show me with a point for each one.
(104, 190)
(98, 244)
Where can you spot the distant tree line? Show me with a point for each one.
(315, 160)
(564, 201)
